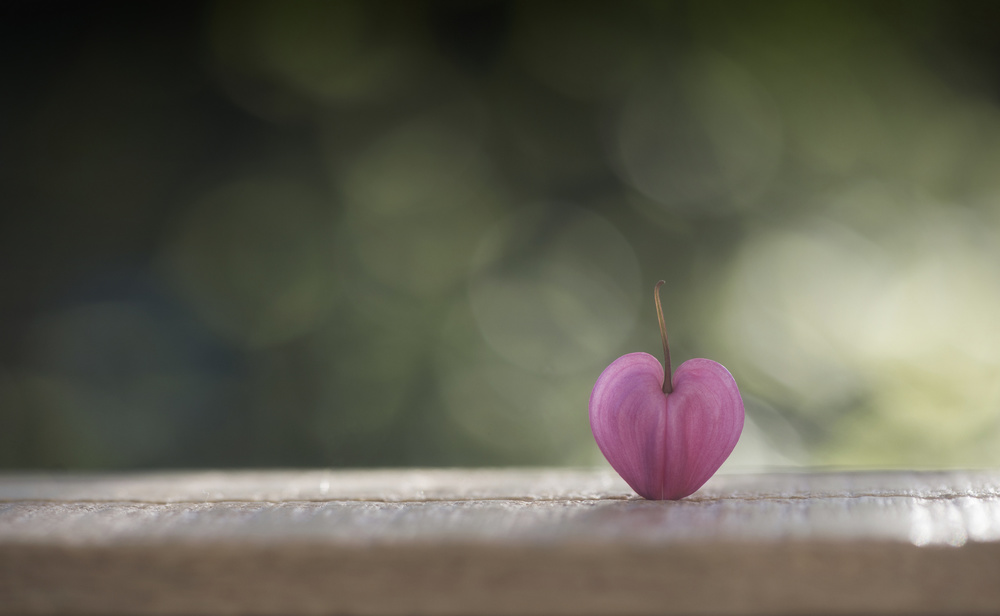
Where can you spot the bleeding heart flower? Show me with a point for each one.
(665, 436)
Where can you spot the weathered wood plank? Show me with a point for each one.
(487, 542)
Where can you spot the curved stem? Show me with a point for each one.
(668, 385)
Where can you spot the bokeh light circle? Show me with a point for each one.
(556, 289)
(256, 259)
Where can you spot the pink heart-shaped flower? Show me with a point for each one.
(665, 446)
(665, 436)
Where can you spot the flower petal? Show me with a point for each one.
(628, 412)
(704, 421)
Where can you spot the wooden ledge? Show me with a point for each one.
(497, 541)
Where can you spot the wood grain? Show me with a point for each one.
(497, 541)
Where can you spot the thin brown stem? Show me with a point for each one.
(668, 385)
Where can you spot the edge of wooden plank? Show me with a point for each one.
(784, 578)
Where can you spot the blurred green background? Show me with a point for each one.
(414, 233)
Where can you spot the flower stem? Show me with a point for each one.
(668, 385)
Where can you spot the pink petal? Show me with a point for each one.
(704, 422)
(628, 418)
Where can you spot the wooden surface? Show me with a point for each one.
(496, 542)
